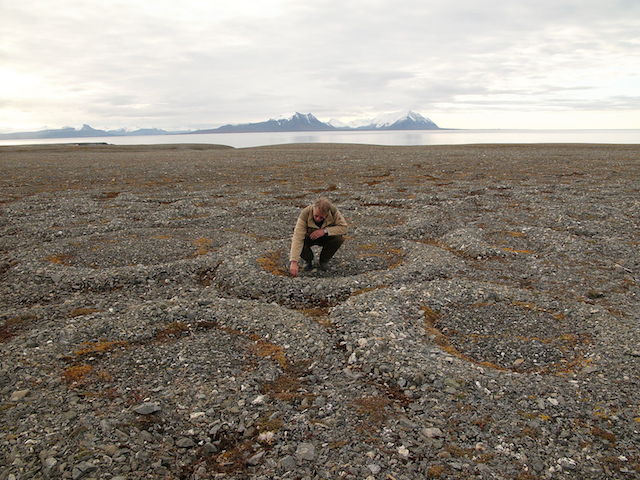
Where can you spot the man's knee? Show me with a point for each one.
(337, 240)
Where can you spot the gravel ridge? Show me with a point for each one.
(481, 321)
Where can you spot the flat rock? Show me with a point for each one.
(306, 451)
(146, 408)
(19, 395)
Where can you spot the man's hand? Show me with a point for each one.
(293, 269)
(317, 234)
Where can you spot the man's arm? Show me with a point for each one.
(339, 225)
(297, 240)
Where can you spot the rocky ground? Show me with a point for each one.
(480, 322)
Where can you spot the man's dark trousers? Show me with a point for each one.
(329, 244)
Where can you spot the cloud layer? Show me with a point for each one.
(192, 64)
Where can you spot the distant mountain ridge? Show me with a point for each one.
(298, 122)
(85, 131)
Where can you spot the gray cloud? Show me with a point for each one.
(191, 65)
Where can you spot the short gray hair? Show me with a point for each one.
(323, 205)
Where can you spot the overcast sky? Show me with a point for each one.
(196, 64)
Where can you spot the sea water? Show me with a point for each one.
(388, 137)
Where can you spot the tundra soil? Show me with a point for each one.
(481, 320)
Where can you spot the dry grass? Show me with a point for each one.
(603, 434)
(267, 424)
(12, 326)
(286, 387)
(375, 408)
(6, 333)
(233, 459)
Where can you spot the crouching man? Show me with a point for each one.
(318, 224)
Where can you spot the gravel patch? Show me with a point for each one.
(479, 322)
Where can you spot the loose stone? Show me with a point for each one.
(146, 408)
(19, 395)
(306, 451)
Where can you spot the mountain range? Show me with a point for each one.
(298, 122)
(85, 131)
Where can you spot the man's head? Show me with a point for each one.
(321, 209)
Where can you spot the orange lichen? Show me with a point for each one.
(79, 312)
(315, 311)
(319, 315)
(393, 256)
(265, 349)
(436, 471)
(172, 330)
(108, 195)
(203, 245)
(608, 436)
(60, 259)
(93, 348)
(513, 250)
(444, 246)
(367, 289)
(76, 373)
(271, 262)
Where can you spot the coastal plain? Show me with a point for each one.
(481, 321)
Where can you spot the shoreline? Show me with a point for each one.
(384, 137)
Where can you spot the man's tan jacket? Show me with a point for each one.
(334, 223)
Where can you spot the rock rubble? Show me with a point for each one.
(480, 321)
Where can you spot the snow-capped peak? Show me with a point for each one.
(306, 117)
(294, 116)
(389, 119)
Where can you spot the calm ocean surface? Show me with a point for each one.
(403, 137)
